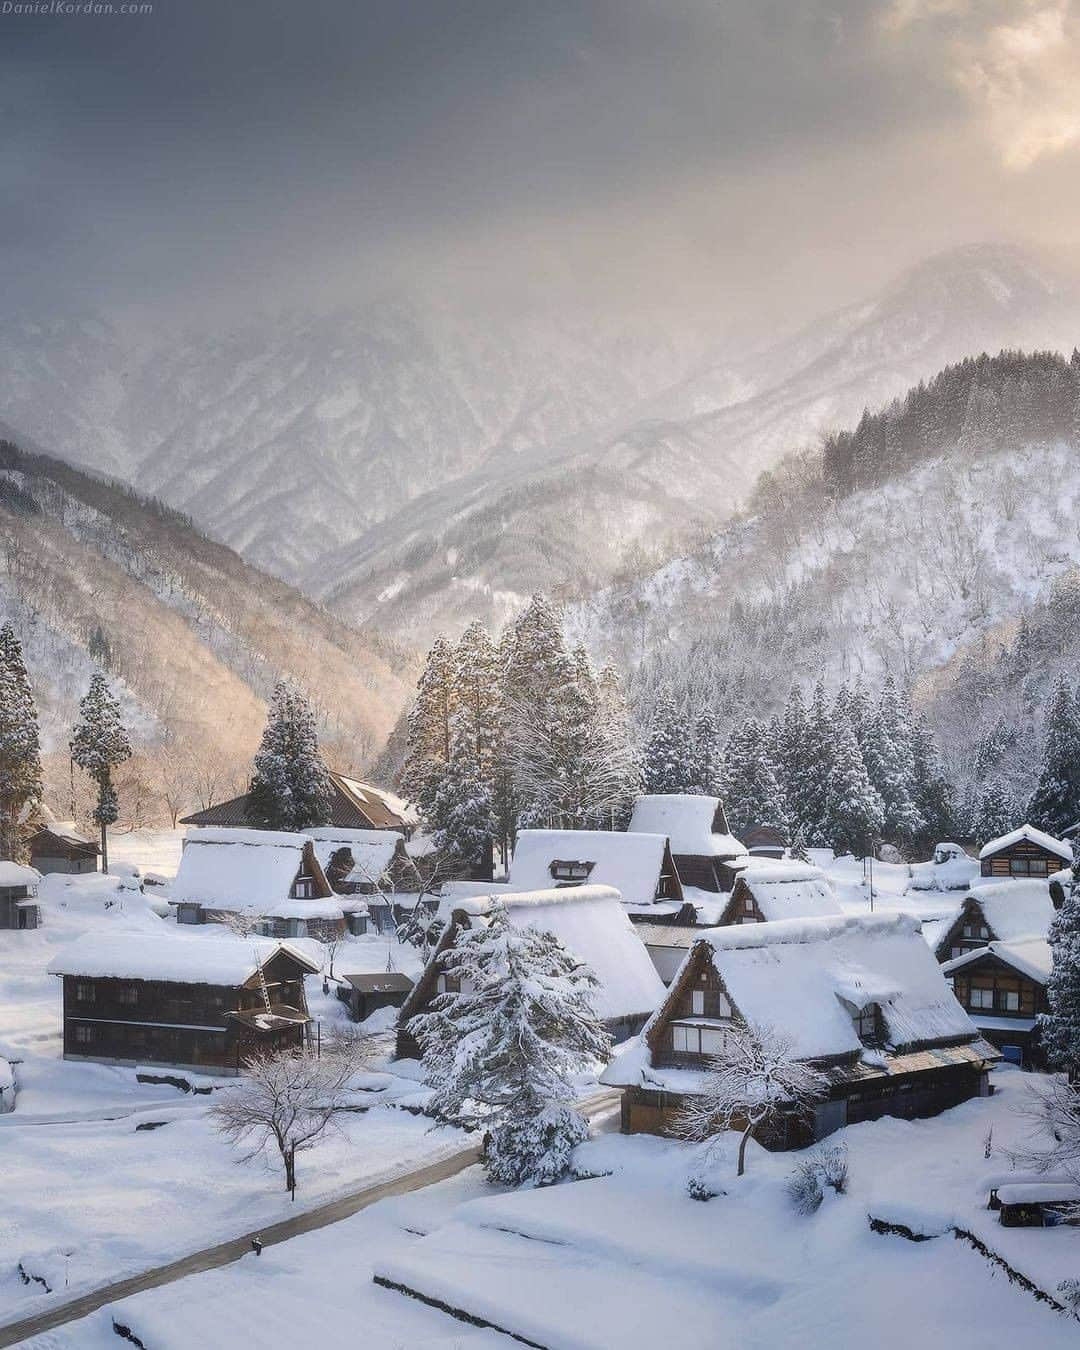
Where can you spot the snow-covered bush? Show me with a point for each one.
(534, 1149)
(828, 1167)
(1069, 1293)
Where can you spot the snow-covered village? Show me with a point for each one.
(540, 675)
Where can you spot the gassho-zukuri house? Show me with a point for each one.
(639, 866)
(590, 922)
(861, 998)
(198, 1003)
(274, 877)
(705, 852)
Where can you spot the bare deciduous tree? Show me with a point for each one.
(288, 1099)
(755, 1081)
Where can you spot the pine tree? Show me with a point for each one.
(708, 754)
(501, 1054)
(477, 701)
(750, 783)
(290, 787)
(99, 745)
(618, 745)
(854, 811)
(933, 791)
(1055, 805)
(818, 758)
(461, 815)
(1060, 1027)
(669, 760)
(996, 811)
(429, 727)
(20, 750)
(888, 753)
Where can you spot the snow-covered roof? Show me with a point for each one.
(238, 869)
(1031, 957)
(1032, 836)
(687, 820)
(630, 861)
(591, 923)
(179, 960)
(793, 974)
(372, 850)
(15, 874)
(370, 795)
(790, 890)
(1016, 909)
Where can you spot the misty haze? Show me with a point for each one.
(539, 710)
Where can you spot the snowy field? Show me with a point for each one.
(628, 1259)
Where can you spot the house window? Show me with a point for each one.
(128, 994)
(1028, 867)
(304, 888)
(697, 1003)
(981, 998)
(977, 930)
(571, 872)
(84, 1035)
(956, 951)
(697, 1040)
(1010, 1000)
(85, 993)
(868, 1024)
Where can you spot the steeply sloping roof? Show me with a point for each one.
(66, 832)
(1016, 909)
(688, 821)
(1032, 836)
(181, 960)
(591, 923)
(372, 850)
(353, 805)
(789, 890)
(238, 869)
(631, 862)
(383, 808)
(792, 975)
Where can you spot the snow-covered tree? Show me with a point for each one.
(853, 808)
(818, 754)
(888, 753)
(476, 696)
(669, 755)
(501, 1052)
(99, 745)
(755, 1082)
(751, 790)
(1060, 1027)
(287, 1099)
(708, 754)
(618, 744)
(996, 811)
(1055, 805)
(290, 788)
(430, 727)
(460, 815)
(933, 791)
(20, 750)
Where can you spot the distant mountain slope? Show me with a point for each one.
(669, 470)
(193, 636)
(927, 573)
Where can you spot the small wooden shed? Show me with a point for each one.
(366, 993)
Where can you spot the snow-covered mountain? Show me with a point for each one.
(192, 636)
(416, 468)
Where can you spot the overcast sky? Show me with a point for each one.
(775, 157)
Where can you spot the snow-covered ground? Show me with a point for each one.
(629, 1259)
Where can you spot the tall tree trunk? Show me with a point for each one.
(104, 848)
(289, 1155)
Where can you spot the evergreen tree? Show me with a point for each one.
(854, 811)
(461, 816)
(1060, 1027)
(799, 851)
(1055, 805)
(750, 782)
(290, 788)
(888, 753)
(669, 758)
(708, 754)
(996, 811)
(20, 750)
(429, 727)
(619, 746)
(501, 1054)
(818, 758)
(99, 745)
(933, 791)
(477, 700)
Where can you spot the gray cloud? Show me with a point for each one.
(757, 156)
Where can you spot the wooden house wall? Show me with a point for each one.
(1021, 859)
